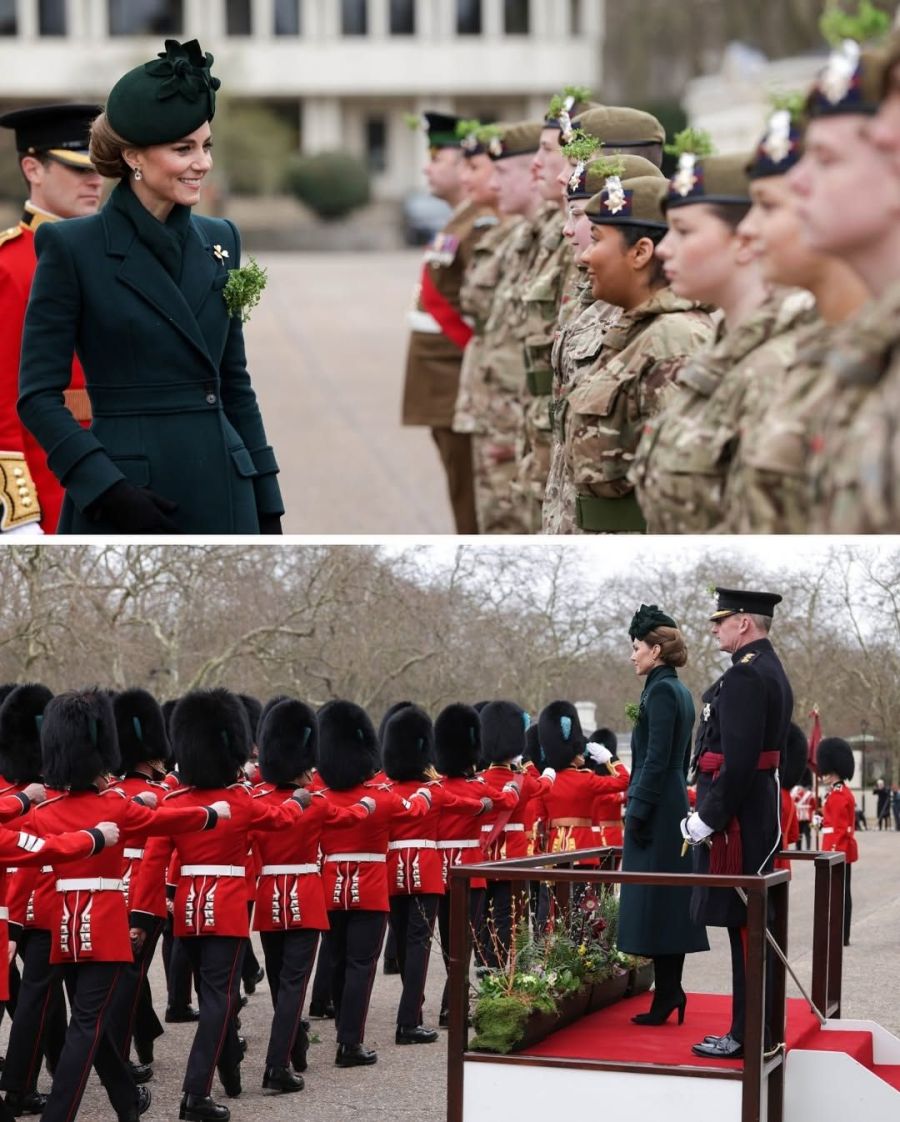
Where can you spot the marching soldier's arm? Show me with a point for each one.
(741, 730)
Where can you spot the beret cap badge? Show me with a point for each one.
(685, 179)
(616, 198)
(778, 144)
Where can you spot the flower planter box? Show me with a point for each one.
(540, 1025)
(640, 979)
(608, 992)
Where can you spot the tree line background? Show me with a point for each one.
(376, 625)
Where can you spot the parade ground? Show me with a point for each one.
(409, 1083)
(326, 348)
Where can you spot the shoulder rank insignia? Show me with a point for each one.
(749, 656)
(10, 234)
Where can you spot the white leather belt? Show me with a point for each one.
(356, 857)
(828, 830)
(46, 868)
(133, 854)
(413, 843)
(4, 913)
(286, 870)
(90, 884)
(510, 827)
(213, 871)
(460, 843)
(427, 324)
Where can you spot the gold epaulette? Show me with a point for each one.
(749, 656)
(10, 234)
(18, 494)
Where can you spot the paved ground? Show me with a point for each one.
(409, 1083)
(327, 348)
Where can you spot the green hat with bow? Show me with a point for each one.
(166, 98)
(646, 619)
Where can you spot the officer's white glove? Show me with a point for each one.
(147, 798)
(512, 786)
(516, 761)
(35, 792)
(817, 821)
(597, 752)
(369, 803)
(548, 773)
(694, 829)
(302, 796)
(222, 808)
(29, 530)
(110, 832)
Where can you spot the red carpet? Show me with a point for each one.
(610, 1035)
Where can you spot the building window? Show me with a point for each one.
(354, 17)
(403, 17)
(468, 17)
(146, 17)
(576, 27)
(8, 17)
(52, 17)
(515, 17)
(287, 17)
(376, 144)
(238, 20)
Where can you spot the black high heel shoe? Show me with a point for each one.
(658, 1013)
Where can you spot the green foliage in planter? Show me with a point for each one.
(500, 1018)
(332, 183)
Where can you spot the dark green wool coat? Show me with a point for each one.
(166, 373)
(656, 921)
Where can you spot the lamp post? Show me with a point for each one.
(864, 732)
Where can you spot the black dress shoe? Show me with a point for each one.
(230, 1078)
(140, 1107)
(391, 966)
(244, 1001)
(181, 1015)
(721, 1048)
(417, 1034)
(282, 1079)
(140, 1073)
(253, 981)
(354, 1055)
(26, 1102)
(201, 1108)
(321, 1010)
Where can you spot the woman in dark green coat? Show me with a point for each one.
(655, 921)
(177, 444)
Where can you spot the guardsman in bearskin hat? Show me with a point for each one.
(607, 809)
(738, 751)
(90, 933)
(290, 899)
(251, 971)
(414, 873)
(834, 761)
(211, 740)
(52, 146)
(354, 870)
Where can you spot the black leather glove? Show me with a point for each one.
(269, 523)
(640, 831)
(135, 510)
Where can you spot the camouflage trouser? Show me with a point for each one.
(558, 512)
(500, 507)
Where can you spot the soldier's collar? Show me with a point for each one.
(33, 216)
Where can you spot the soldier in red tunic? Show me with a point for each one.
(52, 143)
(834, 760)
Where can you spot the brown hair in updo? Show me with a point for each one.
(107, 148)
(673, 649)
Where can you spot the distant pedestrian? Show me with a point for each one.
(882, 805)
(895, 804)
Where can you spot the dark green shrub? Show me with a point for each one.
(331, 183)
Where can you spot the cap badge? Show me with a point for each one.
(575, 178)
(707, 710)
(685, 179)
(615, 195)
(496, 147)
(837, 78)
(565, 126)
(777, 144)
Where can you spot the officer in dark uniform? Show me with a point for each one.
(743, 730)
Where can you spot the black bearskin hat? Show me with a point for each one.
(796, 752)
(503, 725)
(6, 689)
(479, 705)
(288, 741)
(268, 707)
(835, 755)
(533, 750)
(560, 731)
(253, 708)
(388, 713)
(348, 746)
(168, 708)
(607, 738)
(457, 740)
(78, 739)
(407, 749)
(20, 733)
(210, 736)
(141, 728)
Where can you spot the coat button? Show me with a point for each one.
(210, 399)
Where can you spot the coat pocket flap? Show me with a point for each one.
(243, 462)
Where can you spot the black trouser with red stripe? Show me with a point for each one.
(133, 1013)
(476, 910)
(354, 943)
(179, 979)
(216, 961)
(39, 1024)
(412, 921)
(289, 957)
(90, 986)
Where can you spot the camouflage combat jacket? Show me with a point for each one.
(856, 467)
(601, 417)
(683, 458)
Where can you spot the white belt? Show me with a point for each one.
(510, 827)
(828, 830)
(413, 843)
(213, 871)
(358, 858)
(133, 853)
(460, 843)
(46, 868)
(427, 324)
(286, 870)
(90, 884)
(4, 913)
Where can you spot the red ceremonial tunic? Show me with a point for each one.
(570, 806)
(135, 783)
(459, 833)
(289, 893)
(839, 822)
(354, 870)
(211, 895)
(513, 840)
(607, 817)
(17, 266)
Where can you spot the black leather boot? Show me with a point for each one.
(282, 1079)
(201, 1108)
(354, 1055)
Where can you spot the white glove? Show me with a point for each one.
(693, 828)
(548, 773)
(597, 752)
(512, 786)
(369, 803)
(817, 821)
(110, 832)
(222, 808)
(302, 796)
(36, 792)
(148, 798)
(486, 804)
(29, 530)
(516, 761)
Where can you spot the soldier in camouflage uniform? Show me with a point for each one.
(680, 467)
(601, 417)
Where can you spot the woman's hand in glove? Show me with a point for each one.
(135, 510)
